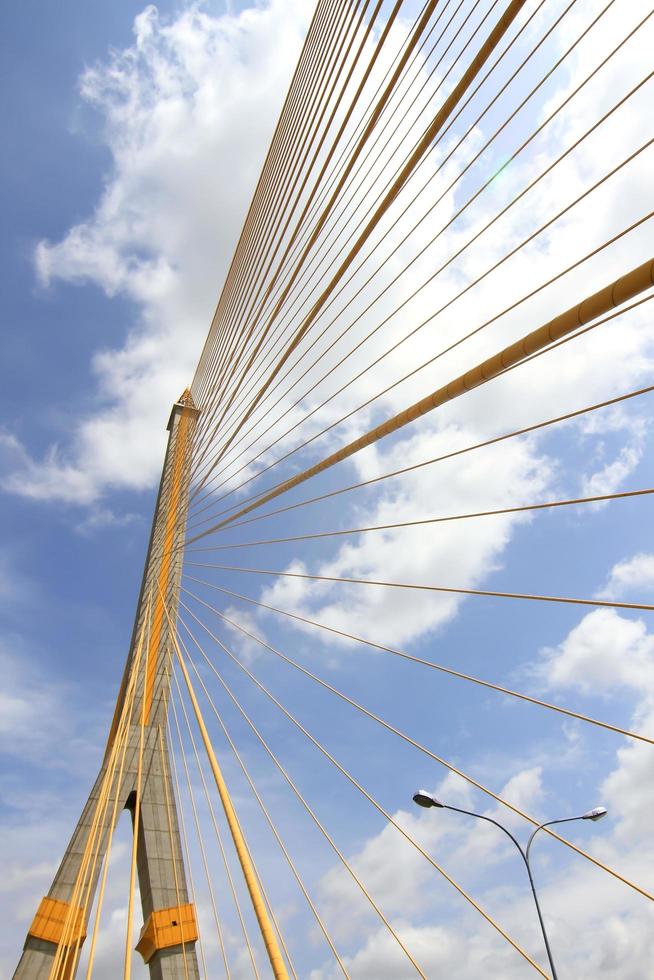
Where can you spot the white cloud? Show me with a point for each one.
(632, 574)
(247, 648)
(607, 653)
(187, 110)
(443, 554)
(613, 474)
(604, 651)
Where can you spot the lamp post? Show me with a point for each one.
(427, 800)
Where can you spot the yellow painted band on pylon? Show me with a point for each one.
(168, 927)
(51, 918)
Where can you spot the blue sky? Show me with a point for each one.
(134, 139)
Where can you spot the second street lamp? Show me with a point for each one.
(427, 800)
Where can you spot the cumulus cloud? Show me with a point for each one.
(603, 651)
(613, 474)
(631, 575)
(186, 112)
(445, 554)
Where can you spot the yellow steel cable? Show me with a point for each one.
(277, 154)
(262, 276)
(451, 455)
(256, 315)
(624, 288)
(280, 935)
(252, 272)
(218, 386)
(514, 305)
(290, 281)
(187, 852)
(459, 772)
(209, 480)
(579, 333)
(129, 706)
(127, 970)
(351, 298)
(303, 226)
(390, 90)
(376, 804)
(432, 316)
(345, 204)
(268, 217)
(255, 273)
(165, 775)
(362, 183)
(274, 830)
(265, 896)
(448, 590)
(233, 489)
(423, 145)
(196, 820)
(558, 62)
(271, 913)
(424, 521)
(375, 54)
(459, 176)
(597, 68)
(348, 867)
(213, 337)
(424, 663)
(374, 717)
(223, 854)
(270, 941)
(582, 331)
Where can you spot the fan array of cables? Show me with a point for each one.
(437, 306)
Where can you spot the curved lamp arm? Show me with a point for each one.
(525, 857)
(480, 816)
(548, 823)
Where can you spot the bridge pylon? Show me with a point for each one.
(135, 773)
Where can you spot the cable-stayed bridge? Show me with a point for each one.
(444, 264)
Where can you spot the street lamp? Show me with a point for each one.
(427, 800)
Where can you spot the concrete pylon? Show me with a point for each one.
(167, 941)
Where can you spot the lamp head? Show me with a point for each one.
(423, 798)
(595, 814)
